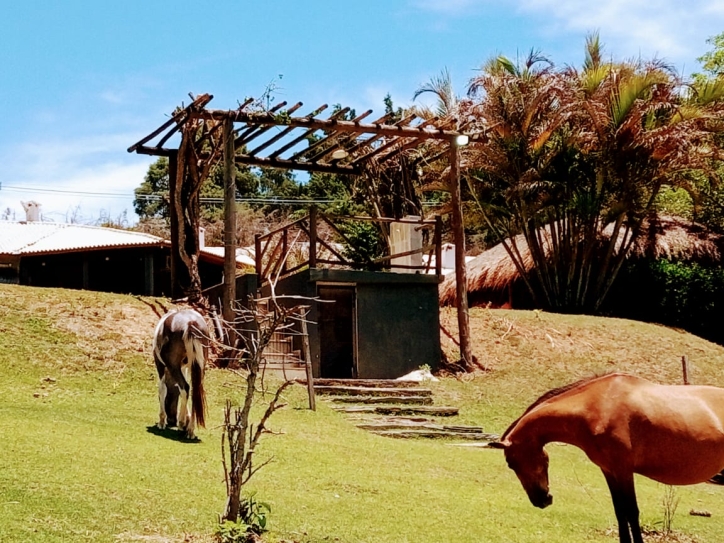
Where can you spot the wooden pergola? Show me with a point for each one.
(277, 137)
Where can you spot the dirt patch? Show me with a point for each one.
(107, 327)
(577, 346)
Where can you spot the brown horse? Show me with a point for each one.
(180, 349)
(625, 425)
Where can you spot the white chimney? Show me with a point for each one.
(32, 211)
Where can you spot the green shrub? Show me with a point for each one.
(252, 522)
(364, 244)
(687, 295)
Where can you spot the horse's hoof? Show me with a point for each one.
(161, 425)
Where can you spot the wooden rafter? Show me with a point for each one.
(277, 138)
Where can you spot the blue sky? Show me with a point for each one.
(80, 81)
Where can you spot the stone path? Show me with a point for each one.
(400, 409)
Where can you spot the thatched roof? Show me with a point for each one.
(670, 238)
(492, 269)
(674, 238)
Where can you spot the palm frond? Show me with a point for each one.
(592, 79)
(708, 92)
(441, 86)
(594, 52)
(625, 94)
(502, 65)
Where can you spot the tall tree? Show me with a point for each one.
(572, 161)
(520, 110)
(151, 197)
(712, 61)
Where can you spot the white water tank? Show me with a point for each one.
(404, 237)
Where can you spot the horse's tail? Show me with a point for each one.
(195, 354)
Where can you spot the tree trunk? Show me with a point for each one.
(460, 270)
(185, 206)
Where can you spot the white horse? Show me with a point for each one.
(180, 348)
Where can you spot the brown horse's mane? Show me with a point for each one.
(551, 394)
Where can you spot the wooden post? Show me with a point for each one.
(438, 246)
(149, 288)
(285, 248)
(257, 256)
(308, 360)
(313, 237)
(86, 272)
(685, 369)
(461, 278)
(229, 293)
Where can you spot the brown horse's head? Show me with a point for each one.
(530, 464)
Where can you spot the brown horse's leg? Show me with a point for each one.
(623, 494)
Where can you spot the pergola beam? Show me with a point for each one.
(266, 119)
(177, 118)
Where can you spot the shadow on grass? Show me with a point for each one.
(172, 434)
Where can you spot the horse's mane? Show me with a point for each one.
(551, 394)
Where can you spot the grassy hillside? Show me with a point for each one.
(81, 462)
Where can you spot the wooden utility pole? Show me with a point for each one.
(308, 359)
(685, 369)
(438, 246)
(229, 293)
(461, 276)
(313, 237)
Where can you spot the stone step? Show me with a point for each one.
(370, 391)
(407, 424)
(407, 400)
(433, 411)
(435, 434)
(369, 383)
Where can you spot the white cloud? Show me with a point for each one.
(85, 178)
(673, 30)
(669, 29)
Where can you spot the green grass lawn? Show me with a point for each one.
(79, 463)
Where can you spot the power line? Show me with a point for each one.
(156, 197)
(270, 200)
(203, 200)
(61, 191)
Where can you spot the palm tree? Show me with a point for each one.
(573, 161)
(642, 133)
(521, 111)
